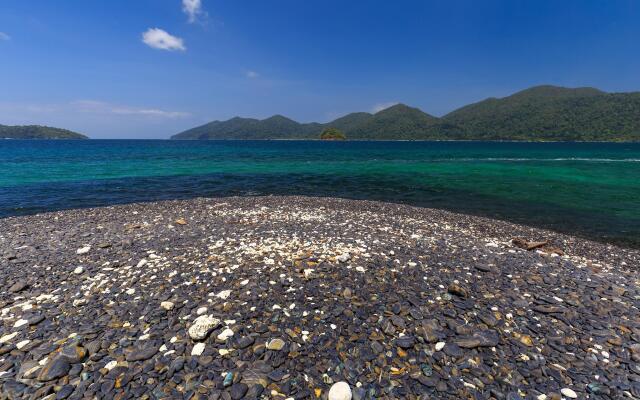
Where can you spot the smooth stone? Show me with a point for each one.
(141, 354)
(228, 379)
(65, 392)
(74, 354)
(18, 287)
(238, 391)
(405, 342)
(340, 391)
(568, 393)
(458, 290)
(83, 250)
(479, 339)
(225, 334)
(167, 305)
(54, 369)
(78, 270)
(275, 344)
(244, 342)
(198, 349)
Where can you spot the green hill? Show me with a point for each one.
(37, 132)
(553, 113)
(541, 113)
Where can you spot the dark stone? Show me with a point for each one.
(141, 354)
(18, 286)
(54, 369)
(238, 391)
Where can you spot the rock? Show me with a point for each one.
(78, 270)
(83, 250)
(458, 290)
(20, 322)
(439, 346)
(340, 391)
(569, 393)
(244, 342)
(225, 334)
(201, 310)
(56, 368)
(7, 338)
(238, 391)
(18, 286)
(202, 327)
(65, 392)
(198, 349)
(479, 339)
(167, 305)
(548, 309)
(224, 294)
(523, 244)
(275, 344)
(74, 354)
(228, 379)
(181, 221)
(405, 342)
(141, 353)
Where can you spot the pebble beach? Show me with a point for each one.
(310, 298)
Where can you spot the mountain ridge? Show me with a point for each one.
(539, 113)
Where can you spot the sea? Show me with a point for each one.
(590, 190)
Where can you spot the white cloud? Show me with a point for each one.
(4, 36)
(252, 74)
(193, 9)
(383, 106)
(100, 107)
(160, 39)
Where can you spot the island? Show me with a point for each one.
(37, 132)
(541, 113)
(332, 134)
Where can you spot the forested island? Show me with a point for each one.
(541, 113)
(37, 132)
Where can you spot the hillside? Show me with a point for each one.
(37, 132)
(553, 113)
(540, 113)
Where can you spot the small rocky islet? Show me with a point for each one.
(304, 298)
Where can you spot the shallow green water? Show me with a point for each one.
(590, 189)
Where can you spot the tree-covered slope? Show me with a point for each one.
(536, 114)
(553, 113)
(37, 132)
(276, 127)
(399, 122)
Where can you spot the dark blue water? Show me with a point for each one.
(587, 189)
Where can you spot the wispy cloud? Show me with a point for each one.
(101, 107)
(383, 106)
(162, 40)
(4, 36)
(193, 9)
(252, 74)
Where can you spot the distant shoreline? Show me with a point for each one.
(333, 141)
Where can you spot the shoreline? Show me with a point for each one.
(301, 293)
(345, 140)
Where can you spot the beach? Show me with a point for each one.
(285, 297)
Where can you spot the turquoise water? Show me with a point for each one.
(588, 189)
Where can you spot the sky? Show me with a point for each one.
(152, 68)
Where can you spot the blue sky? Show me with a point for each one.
(151, 68)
